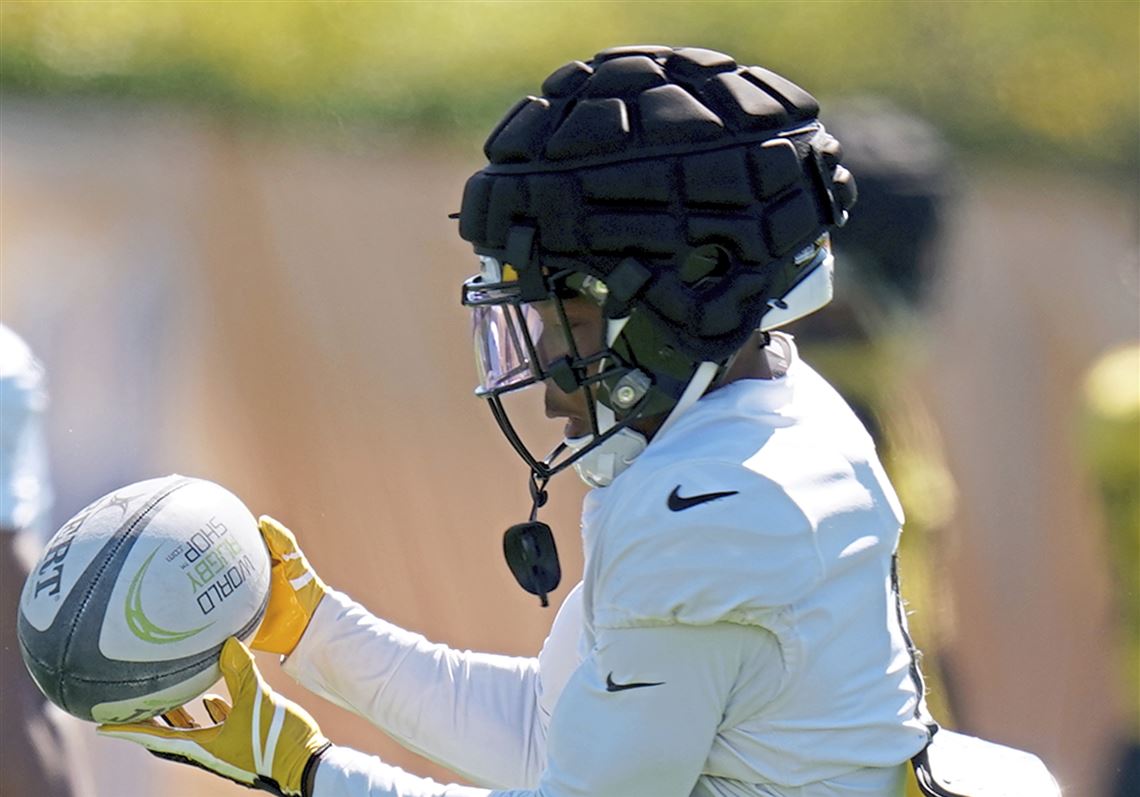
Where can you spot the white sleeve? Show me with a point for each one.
(637, 719)
(475, 713)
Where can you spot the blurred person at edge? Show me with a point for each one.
(43, 753)
(738, 630)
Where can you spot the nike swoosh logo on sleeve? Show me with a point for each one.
(611, 686)
(679, 503)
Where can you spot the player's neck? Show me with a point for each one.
(759, 358)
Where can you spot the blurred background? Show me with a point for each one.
(224, 231)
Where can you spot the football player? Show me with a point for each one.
(642, 229)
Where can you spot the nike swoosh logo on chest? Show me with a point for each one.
(679, 503)
(612, 686)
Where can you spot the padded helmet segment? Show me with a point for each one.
(635, 164)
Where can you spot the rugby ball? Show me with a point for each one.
(125, 613)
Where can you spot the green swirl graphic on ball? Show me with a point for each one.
(141, 625)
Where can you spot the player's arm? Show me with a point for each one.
(637, 719)
(476, 713)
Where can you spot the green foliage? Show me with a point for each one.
(1111, 427)
(1045, 79)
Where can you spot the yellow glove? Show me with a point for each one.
(264, 741)
(295, 591)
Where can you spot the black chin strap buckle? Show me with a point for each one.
(530, 550)
(538, 494)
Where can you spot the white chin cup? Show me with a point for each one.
(600, 466)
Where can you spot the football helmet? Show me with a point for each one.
(687, 196)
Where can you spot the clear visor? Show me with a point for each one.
(505, 336)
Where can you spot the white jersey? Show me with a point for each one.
(736, 632)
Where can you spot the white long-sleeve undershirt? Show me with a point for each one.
(476, 713)
(480, 714)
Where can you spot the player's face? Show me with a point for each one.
(587, 330)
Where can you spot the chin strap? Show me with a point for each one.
(703, 377)
(604, 463)
(599, 466)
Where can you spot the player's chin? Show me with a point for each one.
(576, 427)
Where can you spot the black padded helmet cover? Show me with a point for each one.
(630, 164)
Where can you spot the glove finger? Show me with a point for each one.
(239, 670)
(217, 708)
(175, 744)
(179, 718)
(109, 728)
(278, 538)
(290, 568)
(151, 734)
(288, 560)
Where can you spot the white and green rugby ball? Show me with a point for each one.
(125, 613)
